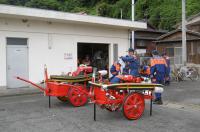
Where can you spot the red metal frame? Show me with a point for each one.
(132, 102)
(56, 89)
(111, 99)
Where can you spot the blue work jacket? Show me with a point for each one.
(133, 64)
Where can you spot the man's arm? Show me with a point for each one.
(128, 58)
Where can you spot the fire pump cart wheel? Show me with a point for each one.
(133, 106)
(63, 98)
(77, 97)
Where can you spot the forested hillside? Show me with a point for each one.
(163, 14)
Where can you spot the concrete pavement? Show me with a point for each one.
(19, 91)
(185, 92)
(30, 113)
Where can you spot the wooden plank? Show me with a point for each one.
(60, 77)
(70, 81)
(141, 86)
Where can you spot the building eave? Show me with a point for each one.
(193, 19)
(145, 38)
(153, 31)
(178, 40)
(57, 16)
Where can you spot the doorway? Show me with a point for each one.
(97, 53)
(17, 61)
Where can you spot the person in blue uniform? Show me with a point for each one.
(115, 69)
(132, 62)
(132, 66)
(145, 71)
(158, 69)
(167, 77)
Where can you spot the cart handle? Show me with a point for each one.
(34, 84)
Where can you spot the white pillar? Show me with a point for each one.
(184, 50)
(121, 12)
(133, 17)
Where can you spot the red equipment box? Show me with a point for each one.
(56, 89)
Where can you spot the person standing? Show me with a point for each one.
(167, 77)
(158, 69)
(132, 62)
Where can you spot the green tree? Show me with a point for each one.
(69, 5)
(125, 6)
(104, 9)
(3, 2)
(163, 14)
(44, 4)
(88, 3)
(14, 2)
(193, 7)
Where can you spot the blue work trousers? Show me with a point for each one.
(160, 77)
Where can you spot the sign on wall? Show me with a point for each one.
(141, 51)
(68, 56)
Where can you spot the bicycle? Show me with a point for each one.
(185, 72)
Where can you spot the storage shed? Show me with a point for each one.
(31, 38)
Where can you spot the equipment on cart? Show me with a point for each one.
(82, 70)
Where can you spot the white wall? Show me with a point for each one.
(62, 38)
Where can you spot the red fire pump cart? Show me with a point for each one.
(65, 87)
(129, 95)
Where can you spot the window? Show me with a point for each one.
(198, 50)
(175, 54)
(141, 43)
(170, 52)
(16, 41)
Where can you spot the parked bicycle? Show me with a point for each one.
(184, 73)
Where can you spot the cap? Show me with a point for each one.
(155, 52)
(131, 50)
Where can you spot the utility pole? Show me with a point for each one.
(184, 50)
(121, 12)
(132, 45)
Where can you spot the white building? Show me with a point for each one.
(31, 38)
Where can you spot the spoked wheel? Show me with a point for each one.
(77, 97)
(180, 76)
(194, 76)
(133, 106)
(63, 98)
